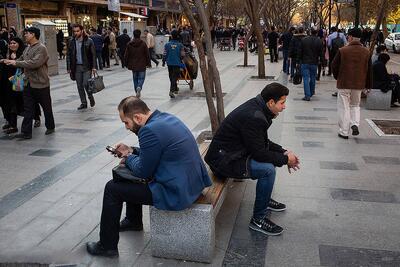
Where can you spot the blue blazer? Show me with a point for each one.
(169, 155)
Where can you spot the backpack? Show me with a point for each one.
(337, 43)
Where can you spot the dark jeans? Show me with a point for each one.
(138, 80)
(115, 193)
(273, 52)
(32, 96)
(265, 174)
(286, 62)
(82, 76)
(99, 60)
(105, 53)
(153, 55)
(174, 72)
(309, 73)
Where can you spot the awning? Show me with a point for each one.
(133, 15)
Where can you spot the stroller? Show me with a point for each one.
(240, 43)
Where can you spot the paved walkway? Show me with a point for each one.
(342, 205)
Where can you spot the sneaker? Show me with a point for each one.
(275, 205)
(36, 124)
(126, 225)
(334, 94)
(82, 106)
(138, 92)
(343, 136)
(306, 98)
(265, 226)
(355, 130)
(171, 94)
(97, 249)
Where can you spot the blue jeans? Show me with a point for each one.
(309, 73)
(285, 61)
(264, 173)
(138, 80)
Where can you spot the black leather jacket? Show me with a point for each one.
(88, 55)
(310, 51)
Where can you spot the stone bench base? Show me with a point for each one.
(376, 99)
(186, 235)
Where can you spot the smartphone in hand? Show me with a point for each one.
(113, 151)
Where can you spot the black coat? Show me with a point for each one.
(122, 42)
(88, 55)
(243, 135)
(381, 78)
(310, 51)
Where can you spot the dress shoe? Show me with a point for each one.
(343, 136)
(23, 136)
(36, 124)
(6, 126)
(49, 131)
(171, 94)
(126, 225)
(82, 106)
(11, 130)
(97, 249)
(334, 94)
(355, 130)
(306, 98)
(92, 102)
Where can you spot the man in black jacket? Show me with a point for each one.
(122, 43)
(309, 55)
(273, 37)
(284, 40)
(241, 149)
(81, 62)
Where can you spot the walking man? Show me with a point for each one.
(122, 42)
(34, 62)
(168, 159)
(81, 62)
(98, 42)
(352, 69)
(336, 40)
(241, 149)
(113, 45)
(173, 53)
(284, 40)
(273, 37)
(150, 44)
(309, 55)
(137, 58)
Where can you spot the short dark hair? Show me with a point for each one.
(314, 31)
(380, 48)
(383, 57)
(35, 31)
(137, 33)
(355, 32)
(174, 34)
(146, 30)
(125, 31)
(300, 30)
(274, 91)
(78, 26)
(132, 105)
(333, 29)
(272, 28)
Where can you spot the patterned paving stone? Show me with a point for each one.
(313, 130)
(45, 152)
(313, 144)
(376, 141)
(381, 160)
(310, 118)
(363, 195)
(325, 109)
(338, 165)
(73, 130)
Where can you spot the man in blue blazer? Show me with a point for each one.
(168, 158)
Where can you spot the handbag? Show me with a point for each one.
(17, 81)
(95, 83)
(122, 173)
(297, 78)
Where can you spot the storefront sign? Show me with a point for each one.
(114, 5)
(11, 5)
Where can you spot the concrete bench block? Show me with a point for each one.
(376, 99)
(187, 235)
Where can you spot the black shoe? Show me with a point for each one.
(157, 64)
(355, 130)
(126, 225)
(343, 136)
(171, 94)
(23, 136)
(265, 226)
(97, 249)
(49, 131)
(82, 106)
(92, 102)
(36, 124)
(11, 130)
(306, 98)
(275, 205)
(116, 64)
(334, 94)
(6, 126)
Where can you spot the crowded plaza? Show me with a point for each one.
(199, 133)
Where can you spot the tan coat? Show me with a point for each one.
(113, 41)
(351, 67)
(150, 40)
(34, 61)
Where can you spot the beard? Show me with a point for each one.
(135, 128)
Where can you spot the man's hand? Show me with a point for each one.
(124, 150)
(10, 62)
(94, 71)
(293, 161)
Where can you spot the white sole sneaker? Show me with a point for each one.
(254, 228)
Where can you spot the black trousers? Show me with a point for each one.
(115, 193)
(105, 53)
(273, 52)
(174, 72)
(153, 55)
(32, 97)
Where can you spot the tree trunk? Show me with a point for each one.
(380, 16)
(203, 66)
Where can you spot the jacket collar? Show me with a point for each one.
(261, 102)
(153, 115)
(355, 43)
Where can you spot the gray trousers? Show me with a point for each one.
(82, 76)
